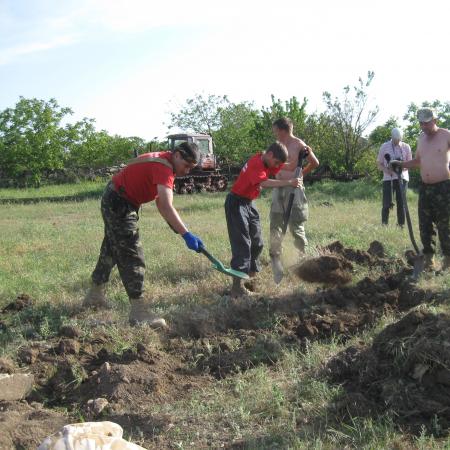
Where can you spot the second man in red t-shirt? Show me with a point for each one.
(244, 227)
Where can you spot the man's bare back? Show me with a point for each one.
(433, 151)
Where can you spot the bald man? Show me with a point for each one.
(394, 149)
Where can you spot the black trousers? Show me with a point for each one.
(244, 232)
(387, 201)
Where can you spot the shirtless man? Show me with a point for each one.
(282, 128)
(433, 158)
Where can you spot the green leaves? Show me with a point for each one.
(34, 141)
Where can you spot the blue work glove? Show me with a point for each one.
(193, 242)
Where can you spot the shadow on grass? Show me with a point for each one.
(95, 193)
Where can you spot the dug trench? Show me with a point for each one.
(78, 375)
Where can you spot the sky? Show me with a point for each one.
(128, 64)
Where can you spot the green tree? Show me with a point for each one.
(413, 131)
(31, 138)
(350, 117)
(233, 141)
(292, 108)
(200, 114)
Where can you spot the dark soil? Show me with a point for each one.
(328, 269)
(406, 372)
(213, 342)
(25, 426)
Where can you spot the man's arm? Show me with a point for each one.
(166, 209)
(313, 162)
(411, 164)
(294, 182)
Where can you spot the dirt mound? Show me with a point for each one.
(146, 376)
(406, 371)
(325, 269)
(24, 426)
(344, 311)
(136, 377)
(374, 256)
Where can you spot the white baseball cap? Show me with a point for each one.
(396, 134)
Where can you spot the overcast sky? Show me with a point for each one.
(128, 63)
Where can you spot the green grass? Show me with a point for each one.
(48, 250)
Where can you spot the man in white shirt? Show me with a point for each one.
(391, 150)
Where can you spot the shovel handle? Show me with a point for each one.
(398, 170)
(211, 257)
(287, 214)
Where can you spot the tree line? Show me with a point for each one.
(35, 135)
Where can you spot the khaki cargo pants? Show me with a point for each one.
(299, 215)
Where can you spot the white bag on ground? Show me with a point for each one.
(89, 436)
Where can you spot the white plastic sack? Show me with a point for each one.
(89, 436)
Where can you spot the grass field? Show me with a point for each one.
(49, 248)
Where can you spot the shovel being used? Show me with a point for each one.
(277, 268)
(418, 258)
(218, 265)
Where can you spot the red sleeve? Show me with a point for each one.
(163, 175)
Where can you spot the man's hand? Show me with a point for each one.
(295, 182)
(395, 165)
(193, 242)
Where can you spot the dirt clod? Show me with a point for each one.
(376, 248)
(21, 302)
(69, 346)
(328, 269)
(28, 355)
(69, 331)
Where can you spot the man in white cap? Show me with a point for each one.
(394, 149)
(433, 158)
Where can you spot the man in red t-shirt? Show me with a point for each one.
(244, 227)
(146, 178)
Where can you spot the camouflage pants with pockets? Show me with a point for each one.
(299, 215)
(121, 244)
(434, 211)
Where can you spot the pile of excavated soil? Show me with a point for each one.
(373, 257)
(346, 310)
(328, 269)
(137, 377)
(24, 426)
(335, 267)
(405, 371)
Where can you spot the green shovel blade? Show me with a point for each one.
(231, 272)
(221, 268)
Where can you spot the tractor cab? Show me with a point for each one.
(205, 146)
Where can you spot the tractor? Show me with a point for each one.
(206, 176)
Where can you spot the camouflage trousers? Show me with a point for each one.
(299, 215)
(121, 244)
(434, 212)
